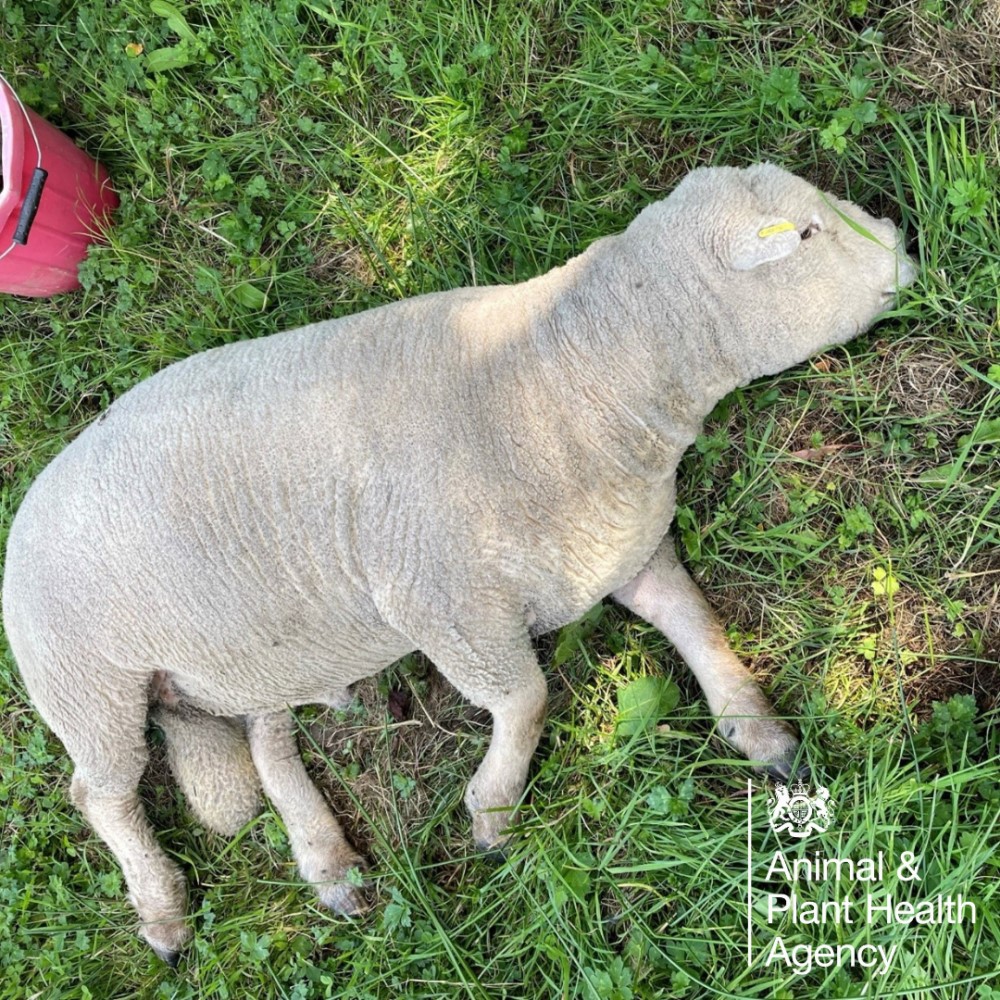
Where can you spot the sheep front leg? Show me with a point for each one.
(668, 598)
(500, 673)
(498, 784)
(321, 851)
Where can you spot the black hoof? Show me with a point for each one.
(787, 770)
(494, 853)
(172, 958)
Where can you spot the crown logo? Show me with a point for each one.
(792, 810)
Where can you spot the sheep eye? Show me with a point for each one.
(813, 227)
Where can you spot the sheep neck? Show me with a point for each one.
(630, 351)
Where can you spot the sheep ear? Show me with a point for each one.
(764, 241)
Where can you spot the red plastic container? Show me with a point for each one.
(55, 202)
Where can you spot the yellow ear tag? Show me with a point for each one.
(778, 227)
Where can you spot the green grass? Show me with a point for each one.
(304, 160)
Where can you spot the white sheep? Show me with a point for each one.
(263, 524)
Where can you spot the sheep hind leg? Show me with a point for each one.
(324, 857)
(665, 595)
(157, 888)
(104, 734)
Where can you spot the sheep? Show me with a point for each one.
(260, 525)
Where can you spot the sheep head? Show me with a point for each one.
(793, 270)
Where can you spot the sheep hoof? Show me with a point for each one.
(167, 938)
(780, 755)
(172, 958)
(771, 743)
(490, 824)
(491, 832)
(786, 771)
(343, 898)
(495, 853)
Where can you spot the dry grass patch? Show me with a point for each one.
(957, 60)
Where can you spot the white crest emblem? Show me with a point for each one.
(794, 811)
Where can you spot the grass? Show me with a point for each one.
(293, 161)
